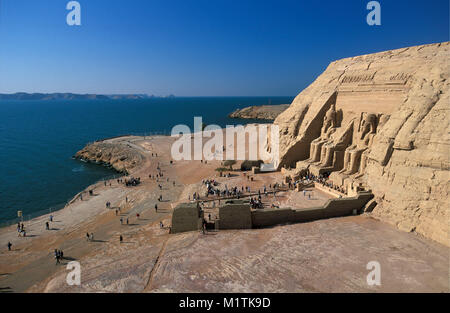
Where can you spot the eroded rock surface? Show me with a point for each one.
(118, 155)
(379, 122)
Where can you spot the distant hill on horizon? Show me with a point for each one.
(73, 96)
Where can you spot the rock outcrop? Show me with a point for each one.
(379, 122)
(119, 156)
(259, 112)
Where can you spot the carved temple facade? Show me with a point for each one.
(352, 116)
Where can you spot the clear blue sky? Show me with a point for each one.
(198, 47)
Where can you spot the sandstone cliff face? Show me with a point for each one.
(381, 122)
(119, 156)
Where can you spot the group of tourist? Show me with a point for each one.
(122, 221)
(21, 230)
(158, 175)
(256, 203)
(321, 179)
(59, 255)
(212, 190)
(232, 192)
(133, 182)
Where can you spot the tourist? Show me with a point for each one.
(9, 246)
(88, 237)
(117, 212)
(204, 226)
(51, 218)
(57, 256)
(92, 236)
(127, 220)
(121, 221)
(120, 238)
(137, 215)
(156, 208)
(47, 226)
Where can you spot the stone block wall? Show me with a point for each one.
(333, 208)
(235, 216)
(186, 217)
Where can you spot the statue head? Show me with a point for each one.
(368, 125)
(329, 120)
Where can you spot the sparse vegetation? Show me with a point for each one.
(229, 163)
(221, 169)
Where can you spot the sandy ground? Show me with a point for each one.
(323, 256)
(329, 255)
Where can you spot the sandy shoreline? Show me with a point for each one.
(152, 260)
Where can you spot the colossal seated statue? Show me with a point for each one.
(361, 141)
(328, 128)
(331, 151)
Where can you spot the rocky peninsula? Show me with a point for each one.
(119, 153)
(259, 112)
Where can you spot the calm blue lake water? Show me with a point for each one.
(38, 139)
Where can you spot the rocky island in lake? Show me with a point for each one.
(259, 112)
